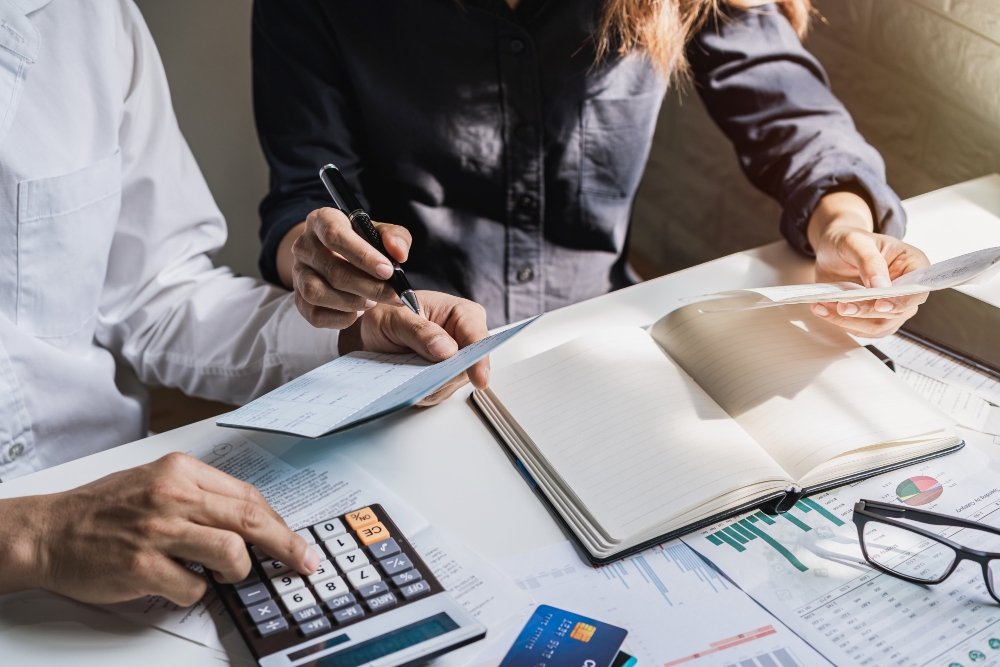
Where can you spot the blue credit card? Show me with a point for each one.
(557, 638)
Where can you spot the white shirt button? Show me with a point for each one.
(15, 451)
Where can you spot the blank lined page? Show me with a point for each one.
(633, 436)
(801, 387)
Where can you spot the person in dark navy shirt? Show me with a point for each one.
(501, 143)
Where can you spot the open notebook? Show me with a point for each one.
(635, 437)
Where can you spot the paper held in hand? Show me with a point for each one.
(975, 267)
(356, 389)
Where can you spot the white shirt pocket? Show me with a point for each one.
(65, 225)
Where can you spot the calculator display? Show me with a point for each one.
(391, 642)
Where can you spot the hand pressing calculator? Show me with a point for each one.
(371, 601)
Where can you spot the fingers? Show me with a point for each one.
(221, 551)
(467, 324)
(861, 250)
(396, 239)
(444, 392)
(163, 576)
(334, 231)
(223, 502)
(411, 331)
(325, 318)
(879, 308)
(866, 327)
(254, 521)
(329, 280)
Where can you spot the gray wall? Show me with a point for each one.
(205, 47)
(921, 77)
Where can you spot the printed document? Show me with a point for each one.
(355, 389)
(306, 496)
(678, 611)
(974, 267)
(806, 568)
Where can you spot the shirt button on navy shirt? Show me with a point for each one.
(516, 45)
(525, 274)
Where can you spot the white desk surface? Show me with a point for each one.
(443, 460)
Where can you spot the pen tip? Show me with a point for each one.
(410, 299)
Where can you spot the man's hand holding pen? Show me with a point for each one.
(339, 280)
(337, 275)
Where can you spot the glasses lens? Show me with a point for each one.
(908, 553)
(993, 576)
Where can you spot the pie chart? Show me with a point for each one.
(919, 490)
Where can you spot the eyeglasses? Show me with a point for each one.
(921, 556)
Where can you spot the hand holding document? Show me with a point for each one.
(974, 267)
(355, 389)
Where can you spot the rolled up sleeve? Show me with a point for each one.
(795, 140)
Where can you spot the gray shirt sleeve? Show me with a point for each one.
(795, 140)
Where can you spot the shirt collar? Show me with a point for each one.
(28, 6)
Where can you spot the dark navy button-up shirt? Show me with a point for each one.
(513, 158)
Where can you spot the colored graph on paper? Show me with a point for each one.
(817, 582)
(676, 607)
(754, 526)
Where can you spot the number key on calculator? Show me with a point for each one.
(371, 598)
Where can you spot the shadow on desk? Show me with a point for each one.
(171, 408)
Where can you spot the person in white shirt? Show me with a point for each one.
(106, 285)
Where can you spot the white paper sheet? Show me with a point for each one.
(677, 609)
(806, 568)
(974, 267)
(924, 360)
(356, 388)
(306, 496)
(967, 409)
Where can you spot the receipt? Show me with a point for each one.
(974, 267)
(356, 389)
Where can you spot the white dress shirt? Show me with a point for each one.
(106, 227)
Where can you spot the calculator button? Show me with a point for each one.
(298, 600)
(328, 529)
(287, 583)
(352, 560)
(366, 575)
(324, 571)
(315, 626)
(272, 568)
(307, 614)
(250, 580)
(411, 591)
(253, 594)
(381, 602)
(360, 518)
(306, 535)
(371, 590)
(373, 533)
(349, 614)
(407, 577)
(396, 564)
(341, 601)
(331, 588)
(383, 549)
(272, 626)
(340, 545)
(264, 611)
(259, 553)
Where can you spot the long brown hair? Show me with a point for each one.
(662, 28)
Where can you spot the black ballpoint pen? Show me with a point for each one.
(362, 224)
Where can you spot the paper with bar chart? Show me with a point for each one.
(806, 567)
(677, 609)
